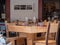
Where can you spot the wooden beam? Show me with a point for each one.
(39, 9)
(8, 10)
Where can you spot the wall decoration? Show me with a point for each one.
(22, 7)
(16, 7)
(29, 7)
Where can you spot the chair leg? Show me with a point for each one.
(7, 34)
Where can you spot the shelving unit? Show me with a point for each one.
(2, 27)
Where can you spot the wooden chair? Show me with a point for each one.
(52, 28)
(10, 43)
(13, 39)
(7, 29)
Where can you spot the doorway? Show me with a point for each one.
(49, 8)
(2, 10)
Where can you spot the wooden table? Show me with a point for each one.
(29, 30)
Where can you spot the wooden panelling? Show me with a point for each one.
(39, 9)
(8, 10)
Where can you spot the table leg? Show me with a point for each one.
(13, 42)
(30, 38)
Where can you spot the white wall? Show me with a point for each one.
(21, 14)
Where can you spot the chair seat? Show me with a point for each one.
(44, 41)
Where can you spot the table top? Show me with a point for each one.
(27, 29)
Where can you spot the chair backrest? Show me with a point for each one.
(52, 28)
(7, 29)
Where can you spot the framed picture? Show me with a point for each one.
(22, 7)
(29, 7)
(16, 7)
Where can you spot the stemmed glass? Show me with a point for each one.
(48, 18)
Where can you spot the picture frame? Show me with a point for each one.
(22, 7)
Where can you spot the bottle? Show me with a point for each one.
(26, 20)
(34, 19)
(17, 22)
